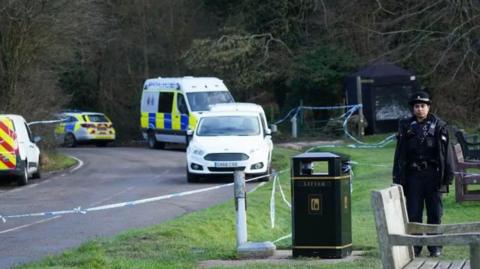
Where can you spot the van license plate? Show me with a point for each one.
(226, 164)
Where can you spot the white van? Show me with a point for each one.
(171, 106)
(19, 155)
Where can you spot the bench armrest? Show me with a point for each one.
(472, 227)
(434, 240)
(469, 164)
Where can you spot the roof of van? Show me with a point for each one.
(187, 84)
(12, 116)
(236, 107)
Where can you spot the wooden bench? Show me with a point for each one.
(463, 179)
(471, 150)
(396, 239)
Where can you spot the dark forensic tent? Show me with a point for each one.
(385, 89)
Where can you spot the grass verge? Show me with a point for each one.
(210, 233)
(55, 161)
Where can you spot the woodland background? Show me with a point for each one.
(95, 55)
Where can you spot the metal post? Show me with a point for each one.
(240, 206)
(361, 130)
(294, 126)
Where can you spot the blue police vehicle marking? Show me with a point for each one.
(151, 120)
(167, 119)
(183, 122)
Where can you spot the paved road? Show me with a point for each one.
(109, 175)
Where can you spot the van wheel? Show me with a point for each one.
(70, 141)
(38, 173)
(153, 143)
(23, 178)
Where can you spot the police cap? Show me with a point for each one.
(419, 97)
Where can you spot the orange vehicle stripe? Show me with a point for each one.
(6, 146)
(7, 163)
(5, 129)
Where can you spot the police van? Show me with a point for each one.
(19, 154)
(172, 106)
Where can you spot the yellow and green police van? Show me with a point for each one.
(172, 106)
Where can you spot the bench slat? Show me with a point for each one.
(415, 263)
(459, 265)
(430, 264)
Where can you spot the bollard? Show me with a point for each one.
(240, 206)
(294, 126)
(246, 250)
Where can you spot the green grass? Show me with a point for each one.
(54, 161)
(210, 233)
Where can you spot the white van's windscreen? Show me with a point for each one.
(200, 101)
(229, 126)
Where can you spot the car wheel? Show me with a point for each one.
(23, 178)
(153, 143)
(191, 177)
(269, 172)
(70, 141)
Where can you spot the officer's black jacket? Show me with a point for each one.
(444, 156)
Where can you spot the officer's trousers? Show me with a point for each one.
(421, 189)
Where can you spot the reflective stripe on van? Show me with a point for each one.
(8, 158)
(156, 121)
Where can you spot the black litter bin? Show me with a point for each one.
(321, 206)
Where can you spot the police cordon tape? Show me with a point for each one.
(351, 110)
(79, 210)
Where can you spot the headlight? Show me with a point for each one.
(253, 150)
(198, 151)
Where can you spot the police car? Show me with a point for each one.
(84, 127)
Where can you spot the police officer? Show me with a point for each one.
(423, 164)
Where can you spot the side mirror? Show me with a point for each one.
(273, 128)
(190, 132)
(36, 139)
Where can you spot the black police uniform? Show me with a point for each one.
(423, 165)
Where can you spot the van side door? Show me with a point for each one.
(182, 114)
(165, 111)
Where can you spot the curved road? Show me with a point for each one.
(109, 175)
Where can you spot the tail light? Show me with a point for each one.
(87, 125)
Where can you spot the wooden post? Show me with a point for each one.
(361, 130)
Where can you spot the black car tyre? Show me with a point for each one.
(153, 143)
(22, 179)
(70, 141)
(191, 177)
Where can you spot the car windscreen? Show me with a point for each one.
(229, 126)
(97, 118)
(200, 101)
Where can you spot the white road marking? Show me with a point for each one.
(79, 165)
(28, 225)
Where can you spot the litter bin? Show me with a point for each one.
(321, 206)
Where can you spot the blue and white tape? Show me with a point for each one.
(79, 210)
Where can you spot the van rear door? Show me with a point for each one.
(8, 144)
